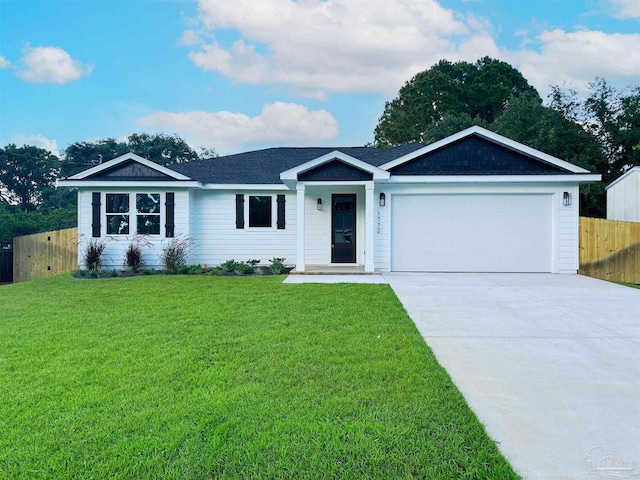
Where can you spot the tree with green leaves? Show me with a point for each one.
(15, 223)
(25, 172)
(447, 96)
(611, 119)
(528, 121)
(611, 116)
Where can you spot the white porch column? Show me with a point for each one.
(300, 191)
(369, 216)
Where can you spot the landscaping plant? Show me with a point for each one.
(276, 266)
(174, 254)
(133, 254)
(93, 254)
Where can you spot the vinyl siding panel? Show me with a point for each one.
(623, 198)
(216, 238)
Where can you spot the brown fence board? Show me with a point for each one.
(610, 249)
(45, 254)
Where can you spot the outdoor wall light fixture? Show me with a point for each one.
(319, 204)
(566, 199)
(383, 199)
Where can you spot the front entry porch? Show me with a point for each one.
(335, 227)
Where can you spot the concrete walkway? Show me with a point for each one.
(549, 363)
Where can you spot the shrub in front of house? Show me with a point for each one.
(94, 254)
(133, 254)
(277, 266)
(174, 254)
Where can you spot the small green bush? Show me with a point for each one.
(277, 266)
(148, 271)
(239, 268)
(243, 268)
(114, 273)
(227, 267)
(216, 271)
(190, 270)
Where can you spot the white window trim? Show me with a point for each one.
(106, 215)
(158, 214)
(133, 214)
(274, 213)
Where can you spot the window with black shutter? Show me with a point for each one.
(239, 211)
(281, 203)
(170, 224)
(95, 217)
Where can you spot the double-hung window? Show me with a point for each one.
(117, 213)
(148, 213)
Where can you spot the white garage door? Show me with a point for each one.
(471, 233)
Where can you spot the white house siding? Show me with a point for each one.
(564, 218)
(116, 245)
(317, 238)
(623, 197)
(567, 230)
(216, 238)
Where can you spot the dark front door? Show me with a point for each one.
(343, 229)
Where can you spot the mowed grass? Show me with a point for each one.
(209, 377)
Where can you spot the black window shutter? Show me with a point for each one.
(169, 216)
(281, 202)
(239, 210)
(95, 219)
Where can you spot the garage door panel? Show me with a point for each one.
(471, 233)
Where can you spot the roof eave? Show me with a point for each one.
(128, 183)
(562, 178)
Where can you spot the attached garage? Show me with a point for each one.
(472, 233)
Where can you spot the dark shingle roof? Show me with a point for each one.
(265, 166)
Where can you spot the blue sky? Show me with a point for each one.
(244, 74)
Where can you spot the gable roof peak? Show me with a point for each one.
(127, 157)
(491, 137)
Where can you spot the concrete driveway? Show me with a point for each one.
(549, 363)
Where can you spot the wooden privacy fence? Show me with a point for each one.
(610, 249)
(45, 254)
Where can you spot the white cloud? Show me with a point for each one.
(319, 47)
(50, 65)
(626, 8)
(35, 140)
(4, 63)
(279, 123)
(338, 46)
(576, 58)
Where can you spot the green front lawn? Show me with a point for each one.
(209, 377)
